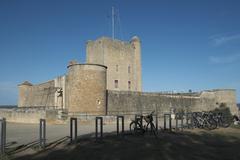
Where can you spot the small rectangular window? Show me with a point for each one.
(116, 83)
(129, 85)
(129, 69)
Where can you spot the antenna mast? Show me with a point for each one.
(112, 22)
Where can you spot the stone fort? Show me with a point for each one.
(109, 83)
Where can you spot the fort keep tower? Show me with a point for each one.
(123, 60)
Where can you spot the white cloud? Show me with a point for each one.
(224, 59)
(219, 40)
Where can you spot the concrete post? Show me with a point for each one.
(101, 128)
(73, 129)
(42, 133)
(2, 135)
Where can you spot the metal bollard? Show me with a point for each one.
(42, 133)
(177, 122)
(156, 123)
(3, 135)
(73, 129)
(182, 124)
(189, 117)
(170, 121)
(101, 128)
(122, 118)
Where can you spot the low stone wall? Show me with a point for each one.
(29, 114)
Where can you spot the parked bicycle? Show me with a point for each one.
(138, 127)
(222, 120)
(210, 120)
(204, 120)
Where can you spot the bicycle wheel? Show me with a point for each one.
(135, 128)
(131, 127)
(212, 124)
(226, 122)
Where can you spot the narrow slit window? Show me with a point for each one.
(116, 83)
(129, 69)
(129, 85)
(116, 68)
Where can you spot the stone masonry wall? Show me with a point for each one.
(37, 95)
(86, 89)
(122, 102)
(222, 96)
(29, 114)
(123, 60)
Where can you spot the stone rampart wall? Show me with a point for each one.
(37, 95)
(123, 102)
(29, 114)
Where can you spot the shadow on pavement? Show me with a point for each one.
(182, 146)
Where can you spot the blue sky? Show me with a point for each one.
(192, 44)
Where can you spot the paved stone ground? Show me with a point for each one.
(188, 145)
(26, 133)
